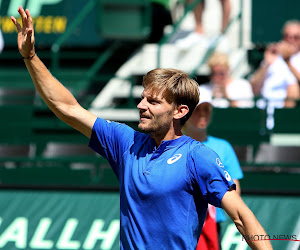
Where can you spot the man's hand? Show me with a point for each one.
(25, 33)
(286, 50)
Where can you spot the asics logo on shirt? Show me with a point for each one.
(220, 164)
(174, 158)
(227, 176)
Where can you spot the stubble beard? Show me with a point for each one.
(148, 128)
(155, 129)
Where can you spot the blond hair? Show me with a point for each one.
(175, 86)
(218, 58)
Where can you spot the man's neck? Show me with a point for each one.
(170, 135)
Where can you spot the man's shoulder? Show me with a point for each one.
(199, 150)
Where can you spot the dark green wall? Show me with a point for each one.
(268, 18)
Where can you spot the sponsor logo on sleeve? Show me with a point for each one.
(227, 175)
(219, 163)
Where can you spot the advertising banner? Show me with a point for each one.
(51, 19)
(84, 220)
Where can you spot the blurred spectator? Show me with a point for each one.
(223, 89)
(161, 17)
(276, 77)
(197, 36)
(196, 127)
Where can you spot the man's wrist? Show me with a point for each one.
(29, 57)
(264, 65)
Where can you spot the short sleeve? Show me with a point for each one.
(111, 140)
(207, 171)
(231, 162)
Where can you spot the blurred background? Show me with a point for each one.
(55, 192)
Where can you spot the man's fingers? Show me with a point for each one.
(29, 19)
(18, 26)
(23, 16)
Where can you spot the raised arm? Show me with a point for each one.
(244, 219)
(55, 95)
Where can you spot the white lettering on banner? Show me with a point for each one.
(233, 237)
(108, 237)
(34, 6)
(64, 240)
(16, 232)
(38, 239)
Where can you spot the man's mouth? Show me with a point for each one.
(144, 117)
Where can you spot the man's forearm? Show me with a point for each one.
(245, 220)
(55, 95)
(249, 227)
(257, 80)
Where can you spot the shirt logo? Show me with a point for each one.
(174, 158)
(227, 176)
(219, 163)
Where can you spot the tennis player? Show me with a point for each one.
(166, 179)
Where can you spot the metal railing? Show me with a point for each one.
(211, 48)
(56, 47)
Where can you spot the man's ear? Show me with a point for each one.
(181, 111)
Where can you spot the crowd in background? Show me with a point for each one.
(277, 88)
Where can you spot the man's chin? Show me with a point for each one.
(144, 127)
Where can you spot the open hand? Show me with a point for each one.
(25, 33)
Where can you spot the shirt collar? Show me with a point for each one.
(167, 144)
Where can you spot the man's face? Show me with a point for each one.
(201, 115)
(156, 114)
(291, 34)
(219, 74)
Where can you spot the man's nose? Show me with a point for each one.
(142, 104)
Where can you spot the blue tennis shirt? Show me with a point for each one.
(165, 190)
